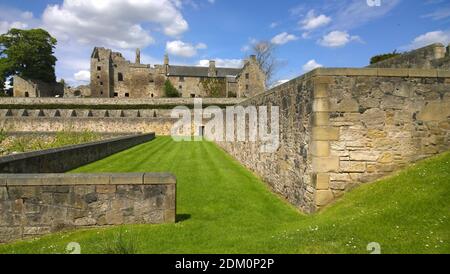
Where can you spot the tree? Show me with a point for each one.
(382, 57)
(29, 54)
(265, 55)
(170, 91)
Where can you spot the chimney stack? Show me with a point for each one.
(212, 69)
(138, 56)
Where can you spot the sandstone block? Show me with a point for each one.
(127, 179)
(346, 105)
(169, 216)
(324, 197)
(386, 158)
(364, 156)
(321, 118)
(320, 148)
(321, 105)
(86, 221)
(322, 181)
(321, 90)
(325, 164)
(325, 133)
(105, 189)
(435, 111)
(432, 73)
(353, 167)
(393, 72)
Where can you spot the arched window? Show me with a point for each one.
(120, 77)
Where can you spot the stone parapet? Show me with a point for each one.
(36, 204)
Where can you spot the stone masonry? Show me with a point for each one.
(345, 127)
(33, 205)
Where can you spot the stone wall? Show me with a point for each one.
(102, 103)
(70, 157)
(33, 205)
(35, 88)
(429, 57)
(113, 125)
(288, 171)
(344, 127)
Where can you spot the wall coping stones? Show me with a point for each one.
(66, 179)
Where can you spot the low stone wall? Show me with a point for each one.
(107, 103)
(344, 127)
(33, 205)
(160, 126)
(68, 158)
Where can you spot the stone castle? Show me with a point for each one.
(112, 76)
(339, 127)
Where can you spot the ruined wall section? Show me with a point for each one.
(429, 57)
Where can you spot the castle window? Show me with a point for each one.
(27, 94)
(153, 95)
(247, 76)
(99, 68)
(127, 95)
(116, 94)
(101, 83)
(181, 79)
(98, 77)
(246, 87)
(120, 77)
(192, 95)
(180, 87)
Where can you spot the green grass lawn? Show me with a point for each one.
(224, 208)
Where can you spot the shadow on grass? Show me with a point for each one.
(182, 217)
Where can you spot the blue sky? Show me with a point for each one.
(307, 34)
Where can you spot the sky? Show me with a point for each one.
(307, 33)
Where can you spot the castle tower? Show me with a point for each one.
(138, 56)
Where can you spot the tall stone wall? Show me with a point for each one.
(344, 127)
(288, 170)
(32, 205)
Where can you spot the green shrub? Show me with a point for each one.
(3, 135)
(383, 57)
(170, 91)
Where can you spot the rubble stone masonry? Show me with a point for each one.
(344, 127)
(32, 205)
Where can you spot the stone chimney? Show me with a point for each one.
(212, 69)
(166, 63)
(138, 56)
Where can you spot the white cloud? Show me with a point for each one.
(273, 25)
(441, 13)
(336, 39)
(279, 82)
(311, 65)
(312, 21)
(227, 63)
(350, 14)
(428, 38)
(180, 48)
(283, 38)
(113, 23)
(82, 76)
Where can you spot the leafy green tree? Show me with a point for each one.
(27, 53)
(382, 57)
(170, 91)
